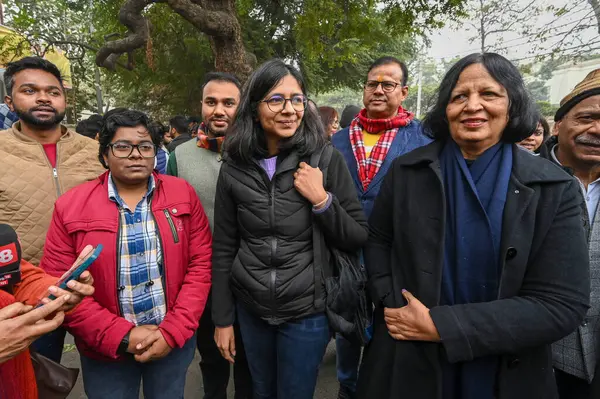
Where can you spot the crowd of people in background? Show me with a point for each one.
(473, 234)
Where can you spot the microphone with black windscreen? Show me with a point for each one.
(10, 258)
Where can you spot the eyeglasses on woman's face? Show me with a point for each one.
(278, 103)
(122, 149)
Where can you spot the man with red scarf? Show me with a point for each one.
(199, 162)
(381, 132)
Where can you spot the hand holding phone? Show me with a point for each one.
(68, 283)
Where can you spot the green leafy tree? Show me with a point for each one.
(316, 34)
(546, 109)
(160, 50)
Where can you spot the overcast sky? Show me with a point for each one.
(454, 40)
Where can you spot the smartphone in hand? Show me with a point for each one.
(76, 270)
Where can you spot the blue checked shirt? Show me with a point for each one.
(7, 117)
(141, 291)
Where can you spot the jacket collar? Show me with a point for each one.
(67, 134)
(106, 175)
(527, 168)
(285, 161)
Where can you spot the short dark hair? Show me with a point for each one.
(221, 77)
(91, 126)
(29, 63)
(247, 139)
(522, 112)
(112, 112)
(348, 115)
(180, 123)
(127, 118)
(391, 60)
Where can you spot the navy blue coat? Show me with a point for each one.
(406, 140)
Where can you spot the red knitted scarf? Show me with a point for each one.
(368, 167)
(17, 379)
(210, 143)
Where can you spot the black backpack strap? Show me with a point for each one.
(320, 253)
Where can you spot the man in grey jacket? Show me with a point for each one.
(198, 161)
(577, 149)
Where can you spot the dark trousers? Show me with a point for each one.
(215, 369)
(347, 363)
(284, 359)
(570, 387)
(51, 344)
(162, 379)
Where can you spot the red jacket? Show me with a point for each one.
(85, 216)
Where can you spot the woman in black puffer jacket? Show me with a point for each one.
(267, 199)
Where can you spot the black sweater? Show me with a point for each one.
(262, 244)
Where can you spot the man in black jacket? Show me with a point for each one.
(179, 132)
(577, 357)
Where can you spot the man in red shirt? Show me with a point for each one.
(40, 159)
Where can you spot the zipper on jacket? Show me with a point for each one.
(55, 175)
(273, 247)
(162, 267)
(172, 225)
(54, 169)
(119, 305)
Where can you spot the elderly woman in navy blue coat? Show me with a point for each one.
(477, 256)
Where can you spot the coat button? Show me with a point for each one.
(512, 363)
(174, 211)
(511, 253)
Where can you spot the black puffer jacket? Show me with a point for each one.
(262, 245)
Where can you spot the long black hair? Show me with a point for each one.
(246, 140)
(522, 112)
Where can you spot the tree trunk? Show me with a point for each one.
(596, 7)
(215, 18)
(482, 27)
(218, 19)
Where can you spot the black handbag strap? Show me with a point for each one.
(320, 159)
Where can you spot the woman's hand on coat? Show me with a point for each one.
(225, 340)
(309, 183)
(411, 322)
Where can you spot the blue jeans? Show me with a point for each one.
(162, 379)
(51, 344)
(284, 360)
(348, 361)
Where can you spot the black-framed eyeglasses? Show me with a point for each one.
(387, 86)
(277, 103)
(124, 150)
